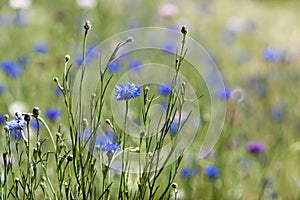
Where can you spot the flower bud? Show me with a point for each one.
(184, 30)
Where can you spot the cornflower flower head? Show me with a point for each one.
(11, 68)
(164, 89)
(211, 171)
(17, 123)
(255, 147)
(53, 114)
(41, 47)
(127, 91)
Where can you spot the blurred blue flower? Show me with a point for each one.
(277, 114)
(271, 54)
(4, 20)
(258, 87)
(20, 18)
(228, 36)
(78, 60)
(135, 64)
(2, 88)
(34, 125)
(174, 127)
(208, 59)
(110, 146)
(169, 48)
(186, 172)
(11, 68)
(255, 147)
(23, 60)
(111, 135)
(105, 143)
(211, 171)
(2, 119)
(127, 91)
(114, 67)
(164, 89)
(224, 93)
(41, 47)
(92, 51)
(17, 123)
(53, 114)
(57, 92)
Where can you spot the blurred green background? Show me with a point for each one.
(255, 44)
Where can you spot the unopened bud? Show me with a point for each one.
(36, 111)
(87, 25)
(67, 58)
(184, 30)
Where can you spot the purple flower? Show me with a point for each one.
(164, 89)
(127, 91)
(53, 114)
(11, 68)
(106, 143)
(41, 47)
(17, 123)
(211, 171)
(255, 147)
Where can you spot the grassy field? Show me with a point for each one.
(254, 43)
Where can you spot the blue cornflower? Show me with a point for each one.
(4, 20)
(20, 19)
(2, 119)
(57, 92)
(174, 127)
(211, 171)
(224, 93)
(164, 89)
(92, 51)
(135, 64)
(186, 172)
(34, 125)
(2, 88)
(53, 114)
(277, 114)
(17, 123)
(271, 54)
(106, 143)
(127, 91)
(23, 60)
(11, 68)
(114, 67)
(110, 146)
(78, 60)
(41, 47)
(169, 48)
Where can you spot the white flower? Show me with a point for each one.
(168, 10)
(17, 106)
(20, 4)
(87, 4)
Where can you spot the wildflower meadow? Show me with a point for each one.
(149, 99)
